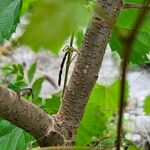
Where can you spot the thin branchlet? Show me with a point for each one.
(68, 64)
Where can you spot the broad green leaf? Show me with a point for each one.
(102, 103)
(93, 124)
(140, 49)
(147, 105)
(107, 97)
(5, 127)
(52, 22)
(36, 87)
(32, 71)
(9, 17)
(125, 16)
(52, 104)
(141, 46)
(13, 138)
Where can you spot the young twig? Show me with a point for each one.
(68, 64)
(73, 58)
(127, 51)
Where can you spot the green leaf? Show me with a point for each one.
(19, 77)
(15, 68)
(20, 83)
(20, 69)
(141, 46)
(6, 68)
(5, 127)
(52, 22)
(9, 142)
(36, 87)
(38, 101)
(147, 105)
(13, 138)
(135, 1)
(52, 104)
(9, 17)
(92, 125)
(27, 5)
(32, 71)
(14, 87)
(107, 97)
(102, 103)
(140, 49)
(79, 37)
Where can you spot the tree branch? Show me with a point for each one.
(134, 6)
(86, 69)
(23, 114)
(30, 118)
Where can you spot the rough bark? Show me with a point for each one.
(61, 128)
(23, 114)
(87, 67)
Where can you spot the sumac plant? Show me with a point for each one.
(79, 117)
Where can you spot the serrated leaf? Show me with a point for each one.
(36, 87)
(147, 105)
(32, 71)
(52, 22)
(9, 17)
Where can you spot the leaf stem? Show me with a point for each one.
(127, 51)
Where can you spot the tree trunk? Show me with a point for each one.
(61, 128)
